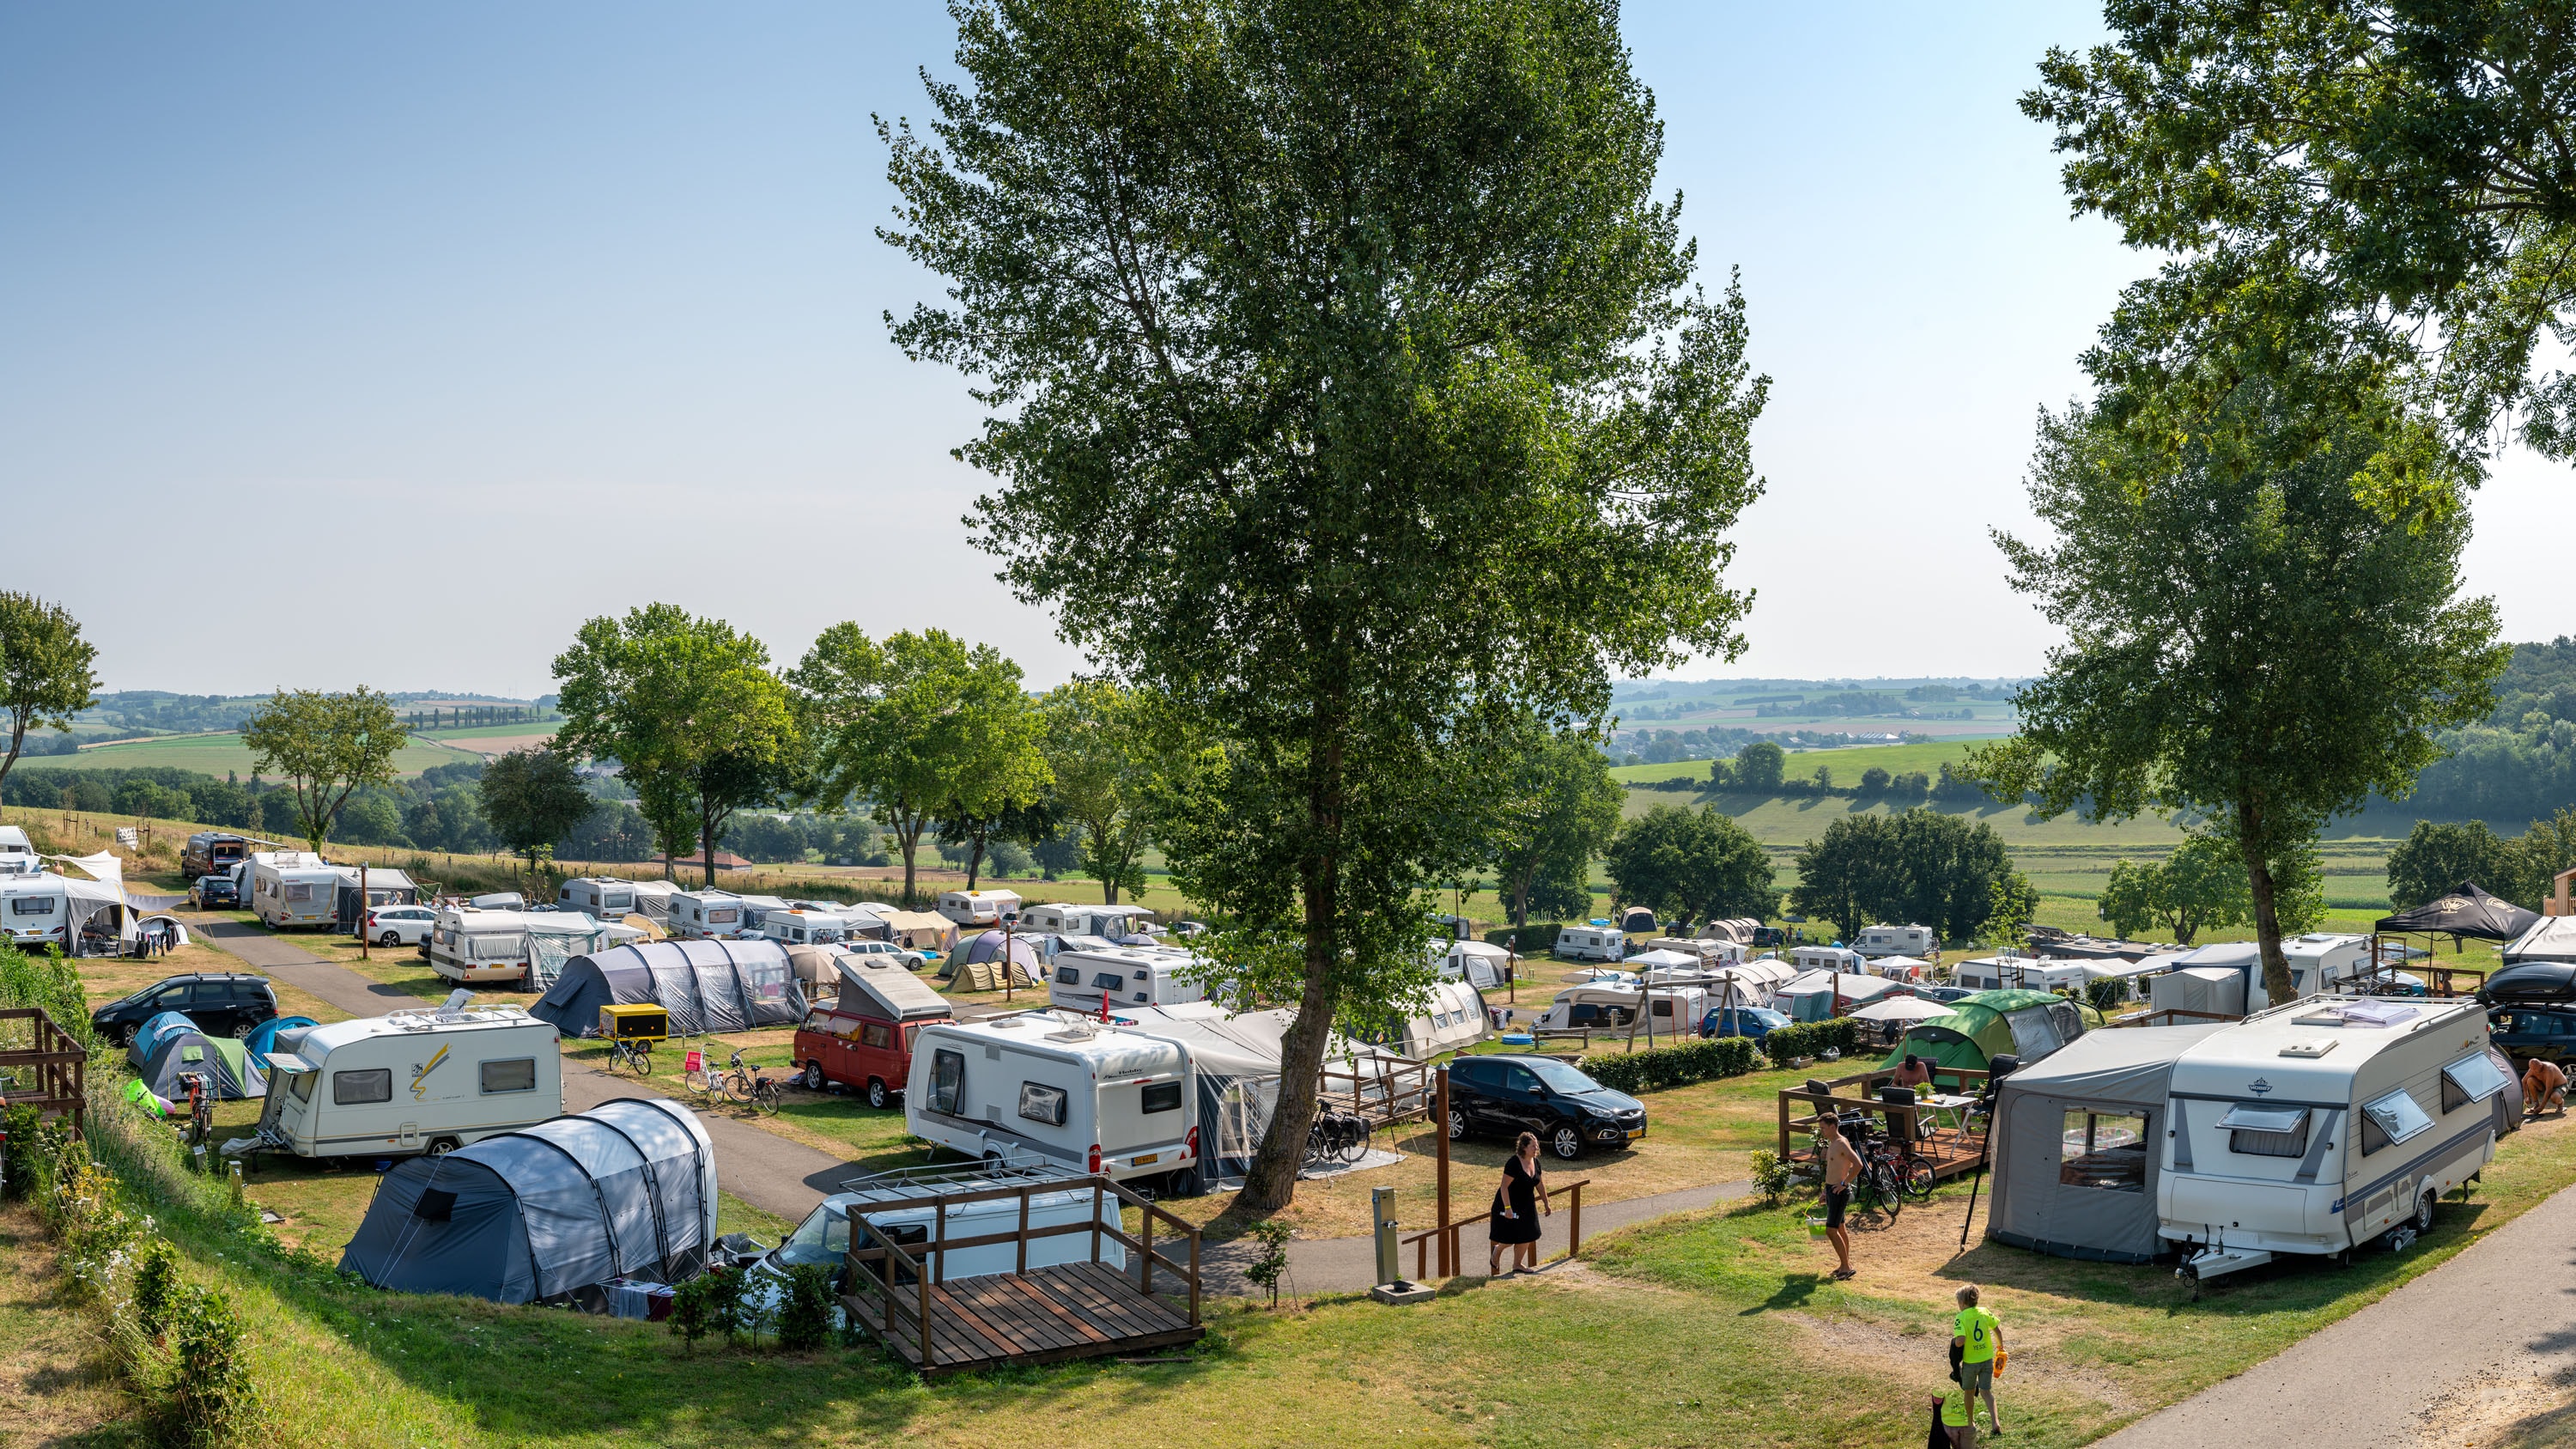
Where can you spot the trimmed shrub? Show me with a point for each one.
(1810, 1038)
(805, 1313)
(2106, 992)
(1699, 1061)
(1537, 938)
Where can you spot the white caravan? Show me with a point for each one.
(35, 909)
(599, 897)
(414, 1081)
(1038, 1089)
(2020, 973)
(1916, 941)
(1591, 943)
(978, 908)
(2319, 1124)
(1110, 922)
(1125, 975)
(2321, 962)
(1474, 962)
(479, 948)
(293, 888)
(1676, 1010)
(703, 914)
(803, 928)
(17, 854)
(1828, 958)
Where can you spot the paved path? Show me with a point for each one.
(765, 1170)
(2501, 1314)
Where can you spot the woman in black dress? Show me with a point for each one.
(1517, 1203)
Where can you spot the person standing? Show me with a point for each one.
(1977, 1335)
(1517, 1203)
(1842, 1169)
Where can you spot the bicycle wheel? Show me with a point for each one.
(1882, 1182)
(642, 1061)
(768, 1097)
(1355, 1142)
(697, 1081)
(737, 1086)
(1917, 1179)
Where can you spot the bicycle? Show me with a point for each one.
(1337, 1137)
(702, 1083)
(751, 1087)
(636, 1057)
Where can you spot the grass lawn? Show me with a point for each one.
(222, 754)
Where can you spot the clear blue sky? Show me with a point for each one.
(385, 344)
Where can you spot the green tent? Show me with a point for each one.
(220, 1060)
(2028, 1024)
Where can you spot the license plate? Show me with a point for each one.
(1149, 1159)
(1636, 1132)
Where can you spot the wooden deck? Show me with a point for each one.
(1073, 1310)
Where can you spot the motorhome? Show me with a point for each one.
(1111, 922)
(2317, 1125)
(1828, 958)
(803, 928)
(35, 910)
(978, 908)
(1123, 976)
(208, 852)
(1915, 941)
(1042, 1089)
(1674, 1011)
(1591, 943)
(599, 897)
(703, 914)
(428, 1080)
(2019, 973)
(293, 888)
(492, 948)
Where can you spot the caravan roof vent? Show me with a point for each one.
(2312, 1048)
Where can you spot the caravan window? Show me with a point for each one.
(617, 903)
(947, 1081)
(2103, 1150)
(300, 891)
(1068, 976)
(356, 1089)
(1041, 1103)
(1107, 981)
(724, 917)
(303, 1084)
(2259, 1131)
(497, 948)
(2470, 1079)
(1163, 1097)
(31, 905)
(516, 1075)
(2390, 1120)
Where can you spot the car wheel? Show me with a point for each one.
(813, 1076)
(1566, 1142)
(878, 1096)
(390, 938)
(1457, 1125)
(242, 1032)
(126, 1034)
(2424, 1213)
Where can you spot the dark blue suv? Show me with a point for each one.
(1753, 1021)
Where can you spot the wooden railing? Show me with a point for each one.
(930, 1268)
(1386, 1090)
(1449, 1246)
(62, 1069)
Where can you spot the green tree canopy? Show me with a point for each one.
(1691, 865)
(2246, 638)
(689, 711)
(2438, 855)
(1558, 808)
(1324, 343)
(1918, 868)
(327, 746)
(1759, 767)
(1099, 744)
(45, 673)
(533, 799)
(2200, 887)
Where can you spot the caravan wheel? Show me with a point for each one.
(441, 1146)
(2424, 1212)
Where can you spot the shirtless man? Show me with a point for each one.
(1915, 1072)
(1842, 1167)
(2544, 1085)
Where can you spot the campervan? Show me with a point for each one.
(2320, 1124)
(485, 948)
(1915, 941)
(1112, 922)
(2019, 973)
(863, 1038)
(1828, 958)
(895, 1206)
(803, 928)
(978, 908)
(1042, 1089)
(1123, 976)
(35, 909)
(293, 888)
(1474, 962)
(427, 1080)
(1591, 943)
(208, 852)
(598, 897)
(698, 914)
(1675, 1010)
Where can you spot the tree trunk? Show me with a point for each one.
(2267, 916)
(707, 840)
(907, 834)
(1099, 834)
(1272, 1182)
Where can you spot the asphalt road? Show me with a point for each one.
(2502, 1313)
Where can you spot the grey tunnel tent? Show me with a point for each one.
(2075, 1139)
(627, 1189)
(222, 1062)
(705, 985)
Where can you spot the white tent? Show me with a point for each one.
(104, 895)
(1898, 968)
(1905, 1009)
(1664, 960)
(1235, 1057)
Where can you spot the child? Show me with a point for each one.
(1977, 1336)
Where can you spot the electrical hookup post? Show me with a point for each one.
(1391, 1287)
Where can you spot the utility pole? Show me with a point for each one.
(364, 953)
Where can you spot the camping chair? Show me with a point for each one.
(1900, 1124)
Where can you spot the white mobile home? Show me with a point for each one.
(1917, 941)
(599, 897)
(978, 908)
(2020, 973)
(1591, 943)
(293, 888)
(474, 947)
(1109, 922)
(2317, 1125)
(1123, 976)
(1040, 1089)
(1675, 1010)
(1828, 958)
(699, 915)
(413, 1081)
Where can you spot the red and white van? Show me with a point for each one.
(864, 1040)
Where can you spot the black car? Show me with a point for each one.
(2523, 1032)
(221, 1003)
(1504, 1096)
(216, 891)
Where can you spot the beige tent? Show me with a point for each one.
(921, 930)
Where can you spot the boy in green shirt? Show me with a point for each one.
(1976, 1334)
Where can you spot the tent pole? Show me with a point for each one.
(1983, 1147)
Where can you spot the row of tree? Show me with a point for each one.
(2439, 856)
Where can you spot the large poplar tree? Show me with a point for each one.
(1348, 386)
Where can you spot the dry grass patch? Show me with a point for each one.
(57, 1383)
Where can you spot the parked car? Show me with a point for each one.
(909, 960)
(216, 892)
(1504, 1096)
(221, 1003)
(1944, 993)
(2526, 1033)
(1770, 936)
(400, 925)
(1753, 1021)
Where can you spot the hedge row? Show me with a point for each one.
(1810, 1038)
(1536, 939)
(1701, 1061)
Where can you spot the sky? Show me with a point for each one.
(387, 344)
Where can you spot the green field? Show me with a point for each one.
(1847, 763)
(520, 730)
(218, 755)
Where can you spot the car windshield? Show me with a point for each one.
(1559, 1077)
(822, 1238)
